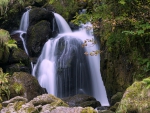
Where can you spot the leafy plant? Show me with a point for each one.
(147, 82)
(11, 43)
(4, 86)
(4, 4)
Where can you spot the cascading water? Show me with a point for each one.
(64, 70)
(23, 28)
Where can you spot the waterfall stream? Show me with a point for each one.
(62, 68)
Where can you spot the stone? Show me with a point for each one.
(13, 100)
(82, 100)
(136, 98)
(25, 85)
(116, 98)
(37, 36)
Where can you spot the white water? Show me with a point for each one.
(23, 30)
(54, 72)
(24, 21)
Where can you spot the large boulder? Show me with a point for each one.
(82, 100)
(18, 55)
(24, 84)
(136, 98)
(18, 61)
(37, 35)
(38, 14)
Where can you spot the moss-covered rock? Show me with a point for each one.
(4, 50)
(136, 99)
(17, 67)
(48, 99)
(24, 84)
(38, 14)
(19, 56)
(88, 110)
(37, 35)
(116, 71)
(18, 61)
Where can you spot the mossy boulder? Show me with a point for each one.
(4, 50)
(19, 56)
(38, 14)
(18, 61)
(82, 100)
(17, 67)
(24, 84)
(37, 35)
(48, 99)
(136, 98)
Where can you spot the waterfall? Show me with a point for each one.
(64, 70)
(23, 28)
(24, 21)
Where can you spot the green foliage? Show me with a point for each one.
(124, 28)
(11, 44)
(4, 86)
(64, 7)
(4, 4)
(147, 82)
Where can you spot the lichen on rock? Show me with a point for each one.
(135, 99)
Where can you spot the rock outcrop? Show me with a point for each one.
(45, 103)
(25, 85)
(136, 98)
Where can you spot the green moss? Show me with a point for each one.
(18, 105)
(18, 88)
(66, 8)
(88, 110)
(58, 102)
(1, 106)
(31, 110)
(135, 99)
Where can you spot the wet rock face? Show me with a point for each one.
(37, 35)
(42, 26)
(38, 14)
(82, 100)
(116, 71)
